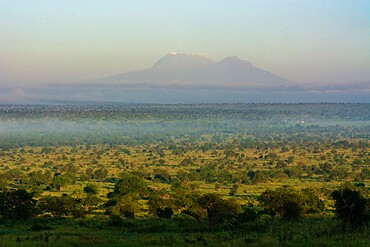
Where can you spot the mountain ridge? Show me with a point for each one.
(197, 69)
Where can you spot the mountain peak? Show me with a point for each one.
(195, 54)
(175, 60)
(234, 60)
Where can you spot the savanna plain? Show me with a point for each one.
(185, 175)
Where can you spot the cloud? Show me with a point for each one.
(10, 95)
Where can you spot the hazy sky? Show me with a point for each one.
(51, 41)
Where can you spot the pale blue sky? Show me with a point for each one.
(71, 41)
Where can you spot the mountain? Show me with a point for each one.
(235, 71)
(181, 69)
(190, 78)
(179, 61)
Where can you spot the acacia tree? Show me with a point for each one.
(59, 206)
(288, 203)
(282, 202)
(350, 206)
(59, 181)
(214, 209)
(130, 184)
(126, 206)
(159, 205)
(124, 200)
(17, 205)
(218, 209)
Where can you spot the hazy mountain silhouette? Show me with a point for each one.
(191, 78)
(199, 70)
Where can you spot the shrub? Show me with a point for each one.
(165, 213)
(91, 189)
(37, 227)
(115, 220)
(249, 214)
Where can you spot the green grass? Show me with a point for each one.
(181, 232)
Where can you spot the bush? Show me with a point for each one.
(37, 227)
(165, 213)
(292, 209)
(249, 214)
(91, 189)
(115, 220)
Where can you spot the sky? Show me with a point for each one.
(74, 41)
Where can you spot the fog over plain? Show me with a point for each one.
(56, 51)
